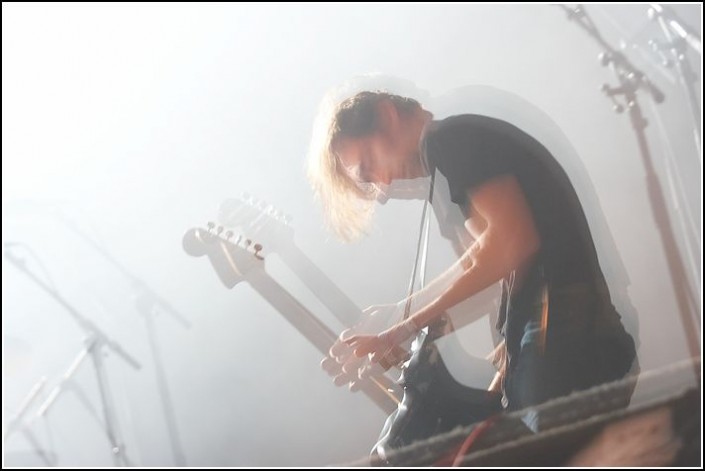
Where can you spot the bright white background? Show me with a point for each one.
(136, 121)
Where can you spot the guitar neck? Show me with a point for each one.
(380, 389)
(332, 297)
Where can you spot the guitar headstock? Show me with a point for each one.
(258, 220)
(233, 259)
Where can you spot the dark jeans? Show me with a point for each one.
(565, 364)
(584, 343)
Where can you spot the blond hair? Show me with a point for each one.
(348, 204)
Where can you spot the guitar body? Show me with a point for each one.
(433, 401)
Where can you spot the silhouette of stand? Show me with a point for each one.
(148, 304)
(18, 424)
(630, 81)
(95, 343)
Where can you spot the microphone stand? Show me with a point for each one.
(95, 342)
(19, 424)
(678, 38)
(147, 302)
(631, 80)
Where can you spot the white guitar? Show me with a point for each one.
(258, 220)
(240, 259)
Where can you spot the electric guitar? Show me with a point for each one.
(261, 221)
(240, 259)
(258, 218)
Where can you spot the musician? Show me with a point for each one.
(561, 331)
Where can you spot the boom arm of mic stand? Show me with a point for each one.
(676, 25)
(611, 57)
(144, 291)
(82, 320)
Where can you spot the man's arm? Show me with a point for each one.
(509, 240)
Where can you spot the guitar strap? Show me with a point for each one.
(421, 248)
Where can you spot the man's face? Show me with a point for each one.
(376, 159)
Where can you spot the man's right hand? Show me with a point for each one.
(341, 362)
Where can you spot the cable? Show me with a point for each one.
(478, 431)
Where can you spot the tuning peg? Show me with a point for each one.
(605, 58)
(219, 230)
(228, 235)
(636, 77)
(248, 242)
(610, 92)
(575, 13)
(288, 219)
(210, 225)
